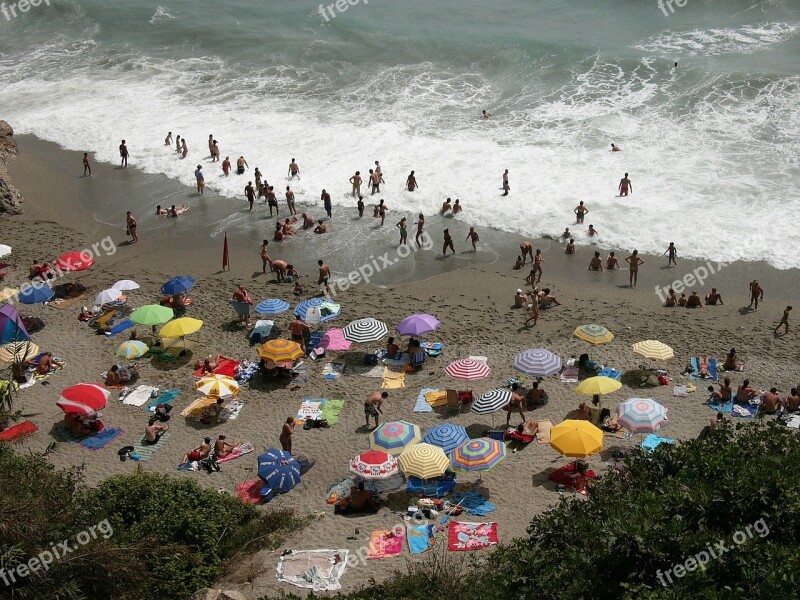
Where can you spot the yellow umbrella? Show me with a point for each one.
(180, 327)
(18, 351)
(217, 386)
(576, 438)
(597, 386)
(280, 351)
(653, 349)
(423, 461)
(594, 334)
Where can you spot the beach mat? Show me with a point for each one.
(385, 543)
(712, 370)
(375, 372)
(120, 327)
(333, 370)
(419, 538)
(145, 451)
(139, 396)
(422, 405)
(436, 398)
(62, 303)
(543, 435)
(318, 570)
(166, 397)
(250, 491)
(393, 380)
(330, 411)
(311, 408)
(652, 441)
(720, 406)
(744, 411)
(102, 439)
(67, 435)
(610, 373)
(473, 503)
(471, 536)
(240, 450)
(18, 431)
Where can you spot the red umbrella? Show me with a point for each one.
(74, 261)
(83, 399)
(374, 464)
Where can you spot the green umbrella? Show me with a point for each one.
(152, 314)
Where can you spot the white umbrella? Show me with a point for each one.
(125, 284)
(106, 296)
(4, 250)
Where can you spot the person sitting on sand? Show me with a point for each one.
(86, 314)
(596, 264)
(725, 391)
(672, 299)
(298, 289)
(321, 227)
(588, 365)
(546, 299)
(223, 448)
(212, 413)
(520, 298)
(682, 301)
(46, 364)
(713, 298)
(731, 360)
(745, 393)
(583, 413)
(792, 402)
(361, 499)
(202, 451)
(694, 301)
(80, 426)
(612, 262)
(570, 249)
(519, 264)
(154, 431)
(771, 402)
(392, 349)
(535, 397)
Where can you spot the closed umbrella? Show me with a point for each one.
(448, 436)
(178, 285)
(280, 351)
(35, 294)
(374, 464)
(417, 324)
(537, 363)
(83, 399)
(424, 461)
(654, 350)
(478, 455)
(598, 386)
(217, 386)
(152, 314)
(467, 369)
(271, 306)
(125, 285)
(365, 330)
(594, 334)
(74, 261)
(491, 401)
(576, 438)
(642, 415)
(328, 310)
(107, 296)
(180, 327)
(394, 436)
(132, 349)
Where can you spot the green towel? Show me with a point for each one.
(331, 410)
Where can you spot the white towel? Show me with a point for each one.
(139, 396)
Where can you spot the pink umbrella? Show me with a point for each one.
(467, 369)
(334, 340)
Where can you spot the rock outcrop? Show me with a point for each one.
(10, 198)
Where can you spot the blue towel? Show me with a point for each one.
(422, 404)
(720, 406)
(419, 538)
(166, 397)
(102, 439)
(712, 370)
(120, 327)
(473, 503)
(652, 441)
(611, 373)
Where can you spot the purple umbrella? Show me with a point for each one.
(417, 324)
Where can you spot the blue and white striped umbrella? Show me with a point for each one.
(491, 401)
(447, 436)
(641, 415)
(302, 308)
(272, 306)
(537, 363)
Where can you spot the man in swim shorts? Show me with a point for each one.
(625, 184)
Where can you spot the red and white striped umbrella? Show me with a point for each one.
(83, 399)
(467, 369)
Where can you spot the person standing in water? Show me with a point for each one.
(401, 225)
(374, 182)
(184, 148)
(448, 242)
(87, 169)
(473, 237)
(130, 223)
(360, 206)
(211, 145)
(214, 151)
(294, 170)
(634, 261)
(201, 181)
(506, 187)
(290, 200)
(625, 184)
(411, 182)
(123, 153)
(355, 181)
(226, 166)
(673, 252)
(326, 202)
(379, 171)
(250, 193)
(168, 139)
(178, 144)
(420, 228)
(580, 211)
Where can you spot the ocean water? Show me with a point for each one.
(712, 147)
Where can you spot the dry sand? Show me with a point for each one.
(473, 303)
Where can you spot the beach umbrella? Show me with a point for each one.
(152, 314)
(334, 340)
(36, 294)
(217, 386)
(278, 470)
(271, 306)
(594, 334)
(280, 351)
(83, 399)
(537, 363)
(178, 285)
(654, 350)
(448, 436)
(132, 349)
(272, 457)
(12, 329)
(374, 464)
(8, 293)
(478, 455)
(328, 310)
(642, 415)
(125, 285)
(576, 438)
(491, 401)
(107, 296)
(417, 324)
(467, 369)
(394, 436)
(597, 386)
(4, 250)
(424, 461)
(180, 327)
(18, 351)
(74, 261)
(365, 330)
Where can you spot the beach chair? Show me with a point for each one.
(418, 360)
(454, 403)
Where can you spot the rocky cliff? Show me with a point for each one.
(10, 198)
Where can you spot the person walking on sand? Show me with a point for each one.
(538, 259)
(201, 181)
(506, 187)
(784, 320)
(401, 225)
(326, 202)
(226, 166)
(634, 261)
(290, 201)
(672, 252)
(265, 258)
(756, 294)
(473, 237)
(294, 170)
(526, 249)
(355, 181)
(625, 184)
(123, 153)
(324, 275)
(250, 193)
(286, 435)
(420, 228)
(372, 406)
(168, 139)
(580, 212)
(411, 182)
(448, 242)
(130, 223)
(241, 165)
(534, 308)
(87, 168)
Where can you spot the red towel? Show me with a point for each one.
(471, 536)
(250, 491)
(18, 431)
(227, 366)
(562, 476)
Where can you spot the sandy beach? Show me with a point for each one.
(471, 294)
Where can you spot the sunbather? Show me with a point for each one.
(118, 375)
(82, 426)
(154, 431)
(725, 391)
(702, 368)
(583, 413)
(223, 448)
(529, 428)
(85, 315)
(792, 402)
(202, 451)
(731, 360)
(209, 364)
(588, 365)
(520, 298)
(392, 349)
(535, 397)
(360, 498)
(46, 364)
(694, 301)
(672, 299)
(745, 393)
(771, 402)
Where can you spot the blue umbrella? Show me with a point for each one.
(278, 470)
(272, 306)
(302, 308)
(36, 294)
(178, 285)
(447, 436)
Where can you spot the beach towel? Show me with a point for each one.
(311, 408)
(422, 404)
(18, 431)
(375, 371)
(53, 369)
(62, 303)
(680, 391)
(102, 439)
(232, 409)
(195, 409)
(419, 538)
(712, 370)
(166, 397)
(397, 365)
(240, 450)
(140, 395)
(120, 327)
(745, 411)
(473, 503)
(720, 406)
(543, 435)
(565, 476)
(318, 570)
(261, 331)
(330, 411)
(610, 373)
(333, 370)
(570, 375)
(652, 441)
(393, 380)
(67, 435)
(249, 491)
(436, 398)
(793, 422)
(471, 536)
(145, 451)
(385, 543)
(226, 366)
(245, 372)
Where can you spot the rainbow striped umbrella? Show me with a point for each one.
(448, 436)
(467, 369)
(537, 363)
(594, 334)
(478, 455)
(394, 436)
(424, 461)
